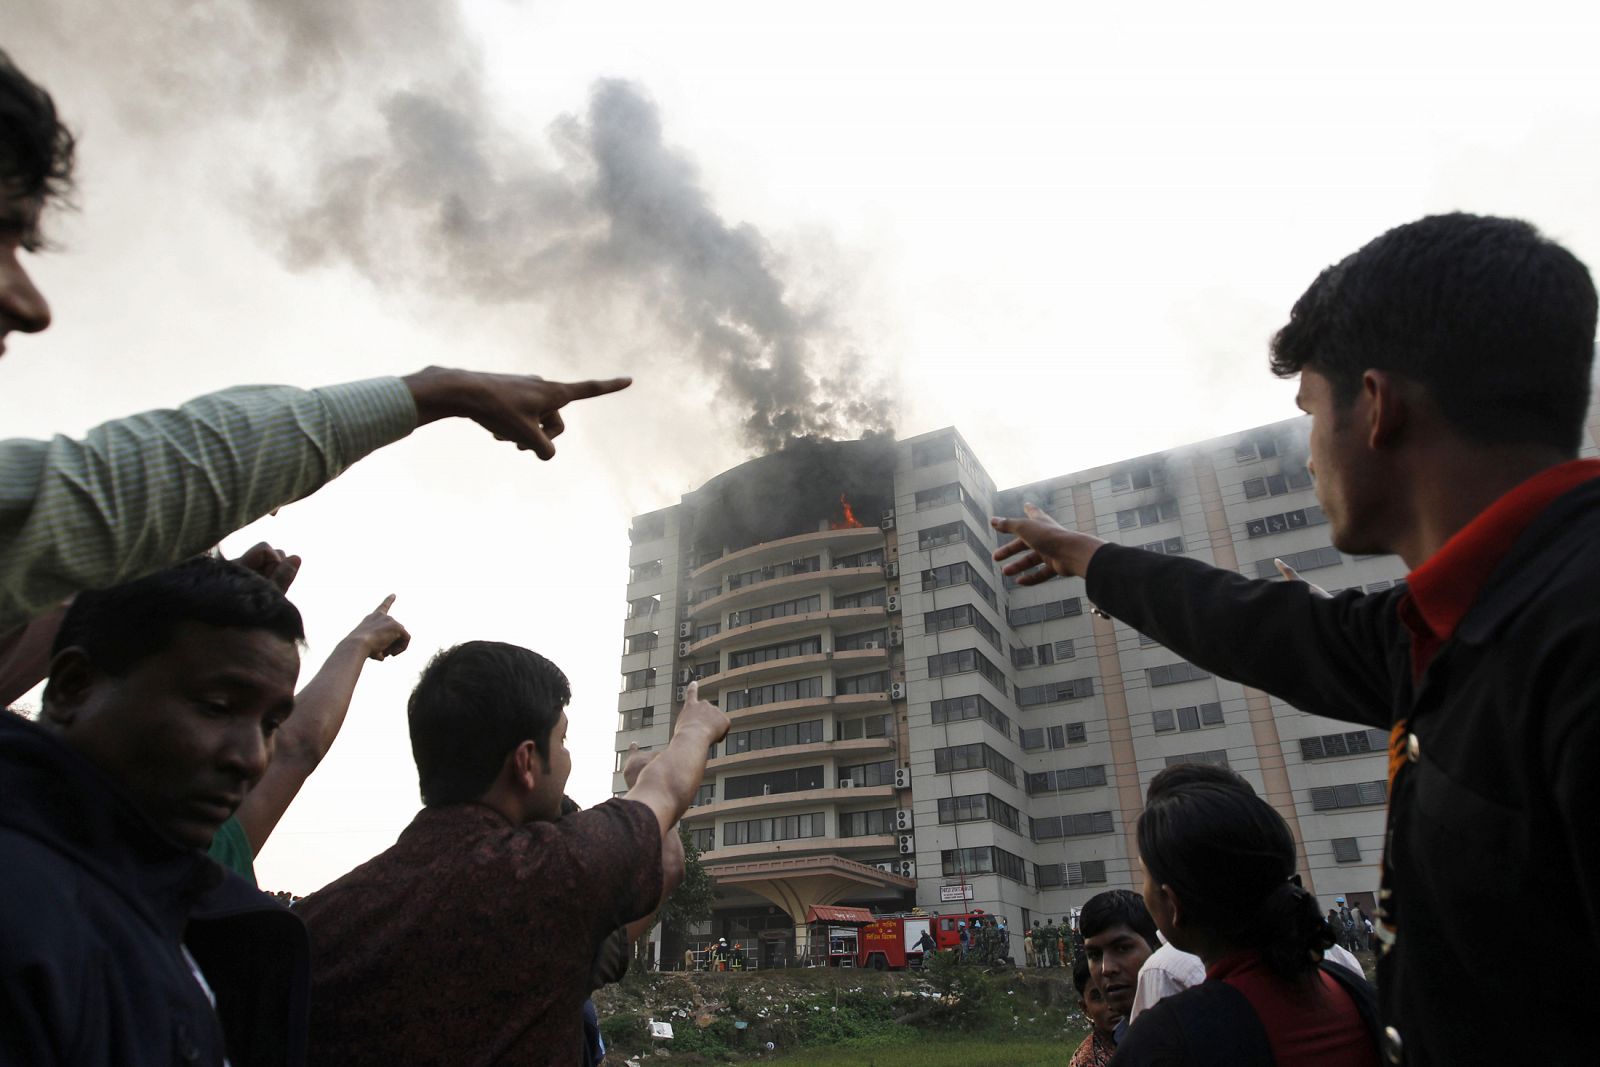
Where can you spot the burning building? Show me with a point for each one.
(910, 729)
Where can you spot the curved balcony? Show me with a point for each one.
(799, 846)
(787, 624)
(786, 587)
(850, 541)
(816, 750)
(801, 798)
(785, 709)
(773, 670)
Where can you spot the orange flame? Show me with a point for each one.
(849, 522)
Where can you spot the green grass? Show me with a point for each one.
(936, 1050)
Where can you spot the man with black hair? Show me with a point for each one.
(146, 491)
(1100, 1043)
(1118, 937)
(1446, 368)
(120, 942)
(473, 939)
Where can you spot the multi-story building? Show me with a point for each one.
(909, 728)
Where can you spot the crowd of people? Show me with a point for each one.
(1446, 369)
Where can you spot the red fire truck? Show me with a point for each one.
(890, 942)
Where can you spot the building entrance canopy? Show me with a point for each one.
(807, 886)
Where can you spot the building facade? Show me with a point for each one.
(911, 729)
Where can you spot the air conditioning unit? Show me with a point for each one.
(871, 646)
(686, 629)
(893, 602)
(896, 638)
(682, 692)
(897, 690)
(902, 777)
(891, 569)
(846, 783)
(683, 648)
(908, 869)
(888, 521)
(685, 676)
(886, 868)
(908, 844)
(902, 819)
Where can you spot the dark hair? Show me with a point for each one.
(1181, 774)
(36, 150)
(472, 706)
(1229, 858)
(120, 626)
(1494, 320)
(1118, 907)
(1080, 972)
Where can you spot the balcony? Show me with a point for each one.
(783, 709)
(840, 542)
(767, 629)
(787, 586)
(777, 669)
(800, 798)
(864, 746)
(800, 846)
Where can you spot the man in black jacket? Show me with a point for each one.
(120, 941)
(1446, 368)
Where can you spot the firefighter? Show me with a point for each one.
(1051, 939)
(719, 955)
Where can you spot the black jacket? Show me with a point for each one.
(1494, 825)
(93, 904)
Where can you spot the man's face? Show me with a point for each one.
(187, 731)
(22, 306)
(551, 786)
(1115, 956)
(1341, 465)
(1095, 1008)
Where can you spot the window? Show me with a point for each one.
(1173, 673)
(806, 646)
(1358, 795)
(1057, 736)
(1352, 743)
(927, 453)
(789, 781)
(640, 679)
(710, 629)
(1052, 875)
(938, 496)
(876, 682)
(1171, 546)
(979, 807)
(951, 533)
(1138, 478)
(801, 606)
(1298, 519)
(776, 693)
(700, 596)
(1308, 560)
(963, 662)
(955, 574)
(959, 709)
(959, 616)
(985, 859)
(1066, 779)
(1031, 738)
(641, 642)
(1054, 692)
(782, 828)
(974, 757)
(868, 598)
(1186, 719)
(640, 572)
(872, 557)
(1064, 650)
(1021, 657)
(866, 823)
(701, 670)
(1296, 478)
(860, 641)
(1084, 824)
(794, 733)
(637, 719)
(706, 794)
(1215, 757)
(1056, 609)
(1346, 850)
(643, 607)
(855, 729)
(774, 570)
(703, 840)
(862, 775)
(1148, 515)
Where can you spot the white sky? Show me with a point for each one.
(1070, 235)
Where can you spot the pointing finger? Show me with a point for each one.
(388, 602)
(595, 387)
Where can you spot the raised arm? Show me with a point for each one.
(669, 782)
(319, 713)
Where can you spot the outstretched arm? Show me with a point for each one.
(319, 712)
(668, 783)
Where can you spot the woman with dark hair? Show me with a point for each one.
(1220, 883)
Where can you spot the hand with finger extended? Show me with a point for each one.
(1292, 575)
(1043, 548)
(701, 715)
(271, 564)
(635, 764)
(380, 635)
(523, 409)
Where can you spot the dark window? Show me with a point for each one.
(776, 693)
(1357, 795)
(1309, 560)
(862, 775)
(789, 781)
(1173, 673)
(1066, 779)
(974, 757)
(960, 616)
(704, 840)
(1054, 692)
(872, 557)
(1216, 757)
(1351, 743)
(640, 679)
(781, 828)
(637, 719)
(1051, 875)
(1346, 850)
(966, 661)
(985, 859)
(641, 642)
(866, 823)
(959, 709)
(1056, 609)
(856, 729)
(867, 598)
(805, 646)
(876, 682)
(802, 606)
(955, 574)
(794, 733)
(1085, 824)
(979, 807)
(927, 453)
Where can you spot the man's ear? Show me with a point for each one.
(1174, 905)
(526, 767)
(72, 678)
(1388, 408)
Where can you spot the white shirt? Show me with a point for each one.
(1169, 970)
(1334, 954)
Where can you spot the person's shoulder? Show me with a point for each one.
(615, 819)
(48, 912)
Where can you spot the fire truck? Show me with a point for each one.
(890, 941)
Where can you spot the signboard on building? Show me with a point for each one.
(947, 893)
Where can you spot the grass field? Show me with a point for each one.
(936, 1050)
